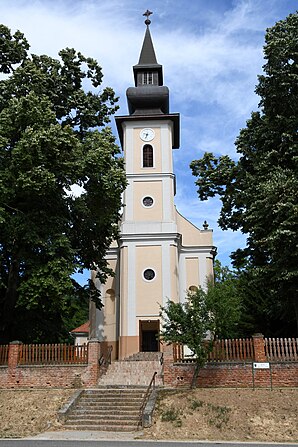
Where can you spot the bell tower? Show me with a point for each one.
(149, 237)
(160, 255)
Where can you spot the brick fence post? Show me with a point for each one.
(13, 359)
(262, 376)
(168, 361)
(259, 348)
(13, 354)
(91, 375)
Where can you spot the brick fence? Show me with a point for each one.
(70, 375)
(265, 364)
(257, 372)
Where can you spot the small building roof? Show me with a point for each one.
(84, 328)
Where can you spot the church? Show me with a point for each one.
(160, 255)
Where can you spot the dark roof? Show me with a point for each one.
(147, 59)
(147, 56)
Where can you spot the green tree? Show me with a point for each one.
(259, 191)
(53, 138)
(189, 323)
(224, 301)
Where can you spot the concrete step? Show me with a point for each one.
(107, 409)
(115, 389)
(145, 356)
(118, 405)
(103, 427)
(114, 395)
(111, 398)
(91, 417)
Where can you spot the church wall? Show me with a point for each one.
(123, 290)
(192, 272)
(166, 143)
(209, 266)
(149, 293)
(174, 275)
(106, 320)
(128, 346)
(203, 272)
(138, 151)
(161, 144)
(194, 268)
(191, 235)
(148, 188)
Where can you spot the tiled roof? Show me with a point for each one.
(83, 328)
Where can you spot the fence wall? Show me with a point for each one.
(226, 350)
(49, 365)
(53, 354)
(4, 354)
(256, 362)
(281, 349)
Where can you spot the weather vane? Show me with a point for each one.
(147, 14)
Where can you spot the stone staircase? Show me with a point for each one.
(107, 409)
(116, 402)
(137, 369)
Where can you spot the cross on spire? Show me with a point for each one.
(147, 14)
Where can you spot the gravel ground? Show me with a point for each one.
(227, 415)
(201, 414)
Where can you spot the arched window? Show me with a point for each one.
(147, 156)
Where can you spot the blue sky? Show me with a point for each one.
(211, 54)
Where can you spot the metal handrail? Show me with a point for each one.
(106, 360)
(146, 397)
(109, 355)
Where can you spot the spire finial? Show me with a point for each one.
(147, 14)
(205, 225)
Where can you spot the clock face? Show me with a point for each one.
(147, 134)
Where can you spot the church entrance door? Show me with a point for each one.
(149, 330)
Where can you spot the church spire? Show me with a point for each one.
(147, 61)
(149, 96)
(147, 56)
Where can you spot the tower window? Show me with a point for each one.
(147, 78)
(149, 274)
(148, 201)
(147, 156)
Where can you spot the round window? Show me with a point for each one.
(147, 201)
(149, 274)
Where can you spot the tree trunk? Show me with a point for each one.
(10, 300)
(195, 375)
